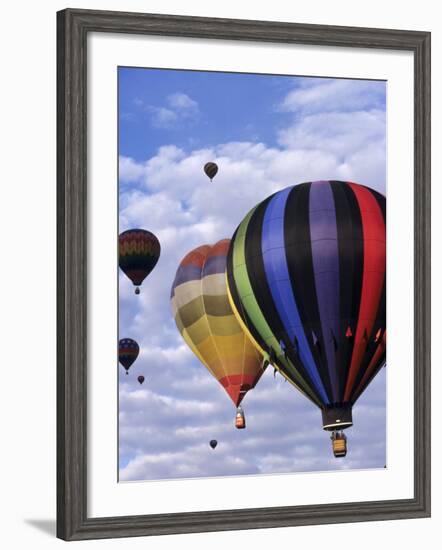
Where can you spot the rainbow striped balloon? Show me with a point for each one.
(206, 321)
(306, 278)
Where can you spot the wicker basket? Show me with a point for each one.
(339, 447)
(240, 421)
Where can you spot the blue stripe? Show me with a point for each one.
(214, 265)
(276, 269)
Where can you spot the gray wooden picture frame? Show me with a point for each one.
(73, 27)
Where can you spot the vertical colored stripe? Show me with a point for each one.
(377, 335)
(261, 290)
(276, 270)
(374, 357)
(351, 264)
(324, 242)
(373, 227)
(248, 300)
(300, 267)
(238, 308)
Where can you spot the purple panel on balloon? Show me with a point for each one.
(324, 242)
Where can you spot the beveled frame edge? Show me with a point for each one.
(72, 28)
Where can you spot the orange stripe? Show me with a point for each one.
(197, 257)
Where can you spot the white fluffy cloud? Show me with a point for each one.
(129, 170)
(178, 107)
(333, 95)
(166, 424)
(170, 437)
(182, 102)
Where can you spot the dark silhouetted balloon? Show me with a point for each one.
(213, 443)
(139, 251)
(140, 379)
(128, 351)
(211, 169)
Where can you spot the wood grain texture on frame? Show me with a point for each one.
(72, 29)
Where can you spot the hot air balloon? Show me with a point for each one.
(306, 278)
(210, 169)
(139, 251)
(128, 351)
(207, 324)
(213, 443)
(140, 379)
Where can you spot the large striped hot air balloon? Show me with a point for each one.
(206, 322)
(139, 251)
(306, 278)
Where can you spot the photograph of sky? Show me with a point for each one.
(265, 133)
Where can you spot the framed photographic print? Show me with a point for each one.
(243, 216)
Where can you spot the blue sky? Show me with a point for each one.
(222, 98)
(265, 132)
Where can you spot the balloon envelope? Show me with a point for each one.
(211, 169)
(206, 321)
(213, 443)
(306, 276)
(139, 251)
(140, 379)
(128, 351)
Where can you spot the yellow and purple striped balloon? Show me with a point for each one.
(206, 321)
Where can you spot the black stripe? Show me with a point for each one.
(300, 265)
(263, 295)
(351, 266)
(380, 198)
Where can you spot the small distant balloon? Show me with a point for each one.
(140, 379)
(128, 351)
(211, 169)
(139, 251)
(213, 443)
